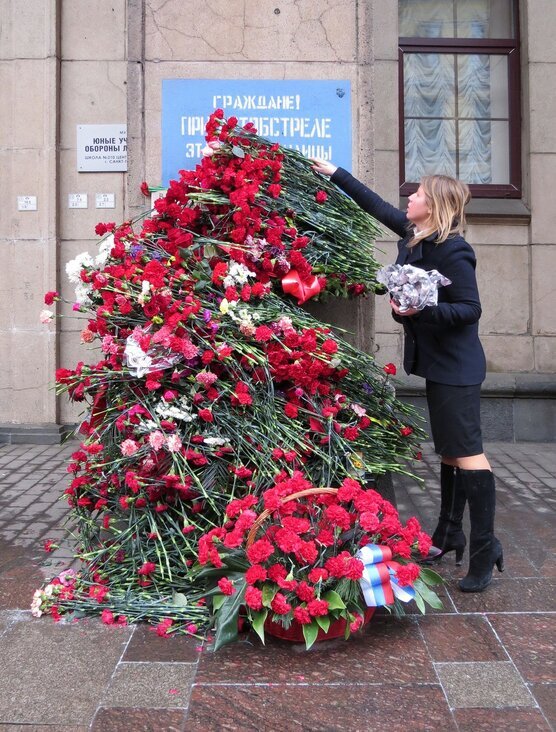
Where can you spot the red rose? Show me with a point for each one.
(389, 369)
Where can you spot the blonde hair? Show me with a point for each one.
(447, 198)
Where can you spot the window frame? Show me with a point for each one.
(484, 46)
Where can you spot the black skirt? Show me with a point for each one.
(455, 419)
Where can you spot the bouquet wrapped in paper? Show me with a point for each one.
(412, 287)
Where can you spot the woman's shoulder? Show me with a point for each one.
(457, 244)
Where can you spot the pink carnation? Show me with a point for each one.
(157, 439)
(173, 443)
(129, 447)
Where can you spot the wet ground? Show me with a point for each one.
(485, 662)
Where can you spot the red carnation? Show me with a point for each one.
(280, 605)
(263, 333)
(50, 297)
(226, 587)
(147, 568)
(145, 189)
(305, 592)
(389, 369)
(321, 196)
(317, 607)
(407, 574)
(291, 410)
(206, 415)
(256, 573)
(302, 616)
(260, 551)
(329, 346)
(254, 598)
(317, 575)
(406, 431)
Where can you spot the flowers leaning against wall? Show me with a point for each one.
(311, 558)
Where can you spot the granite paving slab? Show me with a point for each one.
(483, 684)
(545, 694)
(490, 720)
(530, 639)
(152, 685)
(380, 651)
(509, 595)
(146, 645)
(461, 638)
(308, 708)
(138, 720)
(57, 672)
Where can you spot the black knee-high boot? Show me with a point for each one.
(484, 548)
(448, 535)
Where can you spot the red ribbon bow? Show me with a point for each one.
(292, 284)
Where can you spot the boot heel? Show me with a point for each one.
(500, 563)
(459, 556)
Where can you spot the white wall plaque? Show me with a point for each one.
(101, 148)
(26, 203)
(105, 200)
(77, 200)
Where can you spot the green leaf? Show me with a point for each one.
(269, 593)
(257, 622)
(428, 595)
(179, 599)
(238, 151)
(419, 602)
(324, 622)
(217, 602)
(430, 577)
(334, 600)
(227, 616)
(310, 633)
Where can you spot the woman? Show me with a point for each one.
(442, 345)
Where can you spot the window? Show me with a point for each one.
(459, 94)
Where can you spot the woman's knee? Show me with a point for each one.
(471, 462)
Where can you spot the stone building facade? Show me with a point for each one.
(70, 62)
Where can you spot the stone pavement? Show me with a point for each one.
(486, 662)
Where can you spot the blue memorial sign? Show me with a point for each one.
(313, 117)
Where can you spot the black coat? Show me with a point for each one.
(442, 341)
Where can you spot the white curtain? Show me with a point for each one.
(450, 99)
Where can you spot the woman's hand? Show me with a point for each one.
(403, 313)
(323, 167)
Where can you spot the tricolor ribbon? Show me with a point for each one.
(378, 582)
(292, 284)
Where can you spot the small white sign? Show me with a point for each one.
(26, 203)
(155, 195)
(105, 200)
(101, 148)
(77, 200)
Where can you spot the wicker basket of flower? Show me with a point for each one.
(313, 563)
